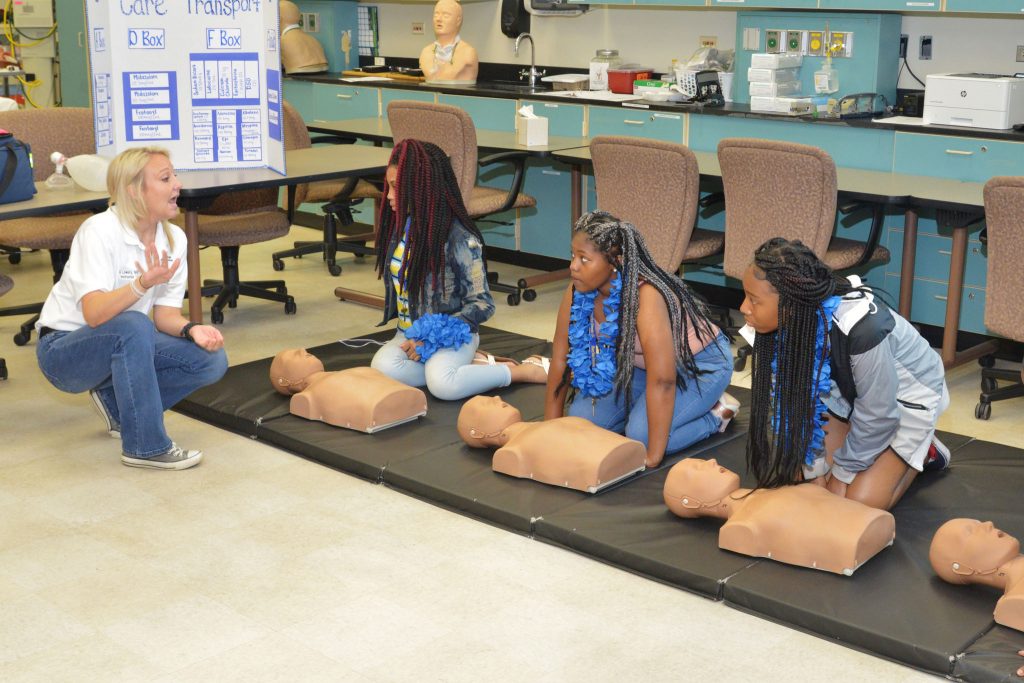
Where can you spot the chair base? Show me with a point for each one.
(3, 369)
(990, 390)
(230, 288)
(330, 245)
(516, 292)
(58, 259)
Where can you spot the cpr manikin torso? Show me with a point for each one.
(804, 525)
(969, 551)
(567, 451)
(449, 59)
(301, 53)
(363, 399)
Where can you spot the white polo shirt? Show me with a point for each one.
(103, 257)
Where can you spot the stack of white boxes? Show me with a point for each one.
(775, 84)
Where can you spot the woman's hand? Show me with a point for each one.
(837, 487)
(207, 337)
(411, 349)
(157, 270)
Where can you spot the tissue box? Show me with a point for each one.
(531, 132)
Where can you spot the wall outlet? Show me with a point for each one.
(709, 41)
(1020, 53)
(417, 28)
(840, 43)
(816, 43)
(904, 40)
(925, 49)
(796, 42)
(773, 41)
(310, 22)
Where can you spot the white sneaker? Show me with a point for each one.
(113, 429)
(726, 409)
(176, 458)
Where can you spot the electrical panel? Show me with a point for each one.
(816, 43)
(796, 42)
(33, 13)
(773, 41)
(840, 43)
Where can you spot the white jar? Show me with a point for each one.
(599, 65)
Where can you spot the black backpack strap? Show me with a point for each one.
(10, 167)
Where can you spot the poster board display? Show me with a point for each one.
(201, 78)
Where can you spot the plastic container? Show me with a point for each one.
(603, 60)
(620, 80)
(775, 61)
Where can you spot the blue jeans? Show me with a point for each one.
(692, 420)
(449, 374)
(138, 372)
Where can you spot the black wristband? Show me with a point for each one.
(186, 332)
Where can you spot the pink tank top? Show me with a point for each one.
(695, 343)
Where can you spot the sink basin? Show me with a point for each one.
(507, 86)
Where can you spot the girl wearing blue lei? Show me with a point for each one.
(638, 352)
(845, 393)
(430, 255)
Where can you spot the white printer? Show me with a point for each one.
(974, 100)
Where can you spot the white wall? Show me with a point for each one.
(655, 36)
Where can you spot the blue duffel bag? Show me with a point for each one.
(16, 183)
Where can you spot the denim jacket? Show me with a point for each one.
(465, 294)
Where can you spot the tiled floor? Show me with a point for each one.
(259, 565)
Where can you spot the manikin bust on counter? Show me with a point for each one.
(301, 53)
(567, 451)
(969, 551)
(449, 58)
(363, 399)
(805, 524)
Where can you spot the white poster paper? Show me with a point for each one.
(199, 77)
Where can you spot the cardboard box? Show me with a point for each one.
(531, 132)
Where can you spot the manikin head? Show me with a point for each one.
(290, 370)
(289, 13)
(483, 418)
(447, 20)
(696, 485)
(969, 551)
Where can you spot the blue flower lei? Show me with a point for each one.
(436, 331)
(821, 383)
(592, 351)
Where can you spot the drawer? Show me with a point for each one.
(893, 5)
(849, 147)
(970, 159)
(389, 94)
(709, 273)
(933, 256)
(563, 119)
(488, 113)
(741, 4)
(929, 306)
(337, 102)
(640, 123)
(1011, 6)
(299, 94)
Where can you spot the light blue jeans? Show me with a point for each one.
(449, 374)
(692, 420)
(138, 372)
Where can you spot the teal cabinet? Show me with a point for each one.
(71, 49)
(299, 94)
(336, 102)
(563, 119)
(929, 304)
(488, 113)
(892, 5)
(744, 4)
(390, 94)
(935, 251)
(674, 3)
(947, 156)
(849, 146)
(996, 6)
(546, 228)
(641, 123)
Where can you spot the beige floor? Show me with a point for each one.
(259, 565)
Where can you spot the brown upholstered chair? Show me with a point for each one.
(336, 196)
(68, 130)
(1004, 219)
(5, 286)
(634, 176)
(785, 189)
(451, 129)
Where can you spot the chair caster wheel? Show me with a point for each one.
(334, 269)
(216, 316)
(529, 294)
(983, 411)
(22, 338)
(513, 299)
(290, 307)
(3, 369)
(988, 385)
(14, 258)
(739, 364)
(988, 361)
(278, 264)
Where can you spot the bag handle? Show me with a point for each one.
(10, 167)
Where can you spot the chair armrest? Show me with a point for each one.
(518, 161)
(874, 233)
(710, 199)
(333, 139)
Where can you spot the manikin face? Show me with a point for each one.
(160, 188)
(484, 417)
(589, 268)
(391, 176)
(290, 368)
(288, 12)
(968, 546)
(447, 18)
(706, 482)
(760, 307)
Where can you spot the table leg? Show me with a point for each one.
(575, 211)
(957, 264)
(908, 262)
(195, 283)
(346, 294)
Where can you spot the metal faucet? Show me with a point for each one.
(533, 73)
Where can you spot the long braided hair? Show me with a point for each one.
(429, 194)
(803, 282)
(624, 247)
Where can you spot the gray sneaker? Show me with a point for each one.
(113, 429)
(176, 458)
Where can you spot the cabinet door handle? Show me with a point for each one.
(349, 97)
(945, 252)
(633, 122)
(80, 39)
(722, 2)
(550, 106)
(960, 152)
(549, 172)
(920, 4)
(940, 298)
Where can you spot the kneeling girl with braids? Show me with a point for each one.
(845, 392)
(430, 255)
(639, 351)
